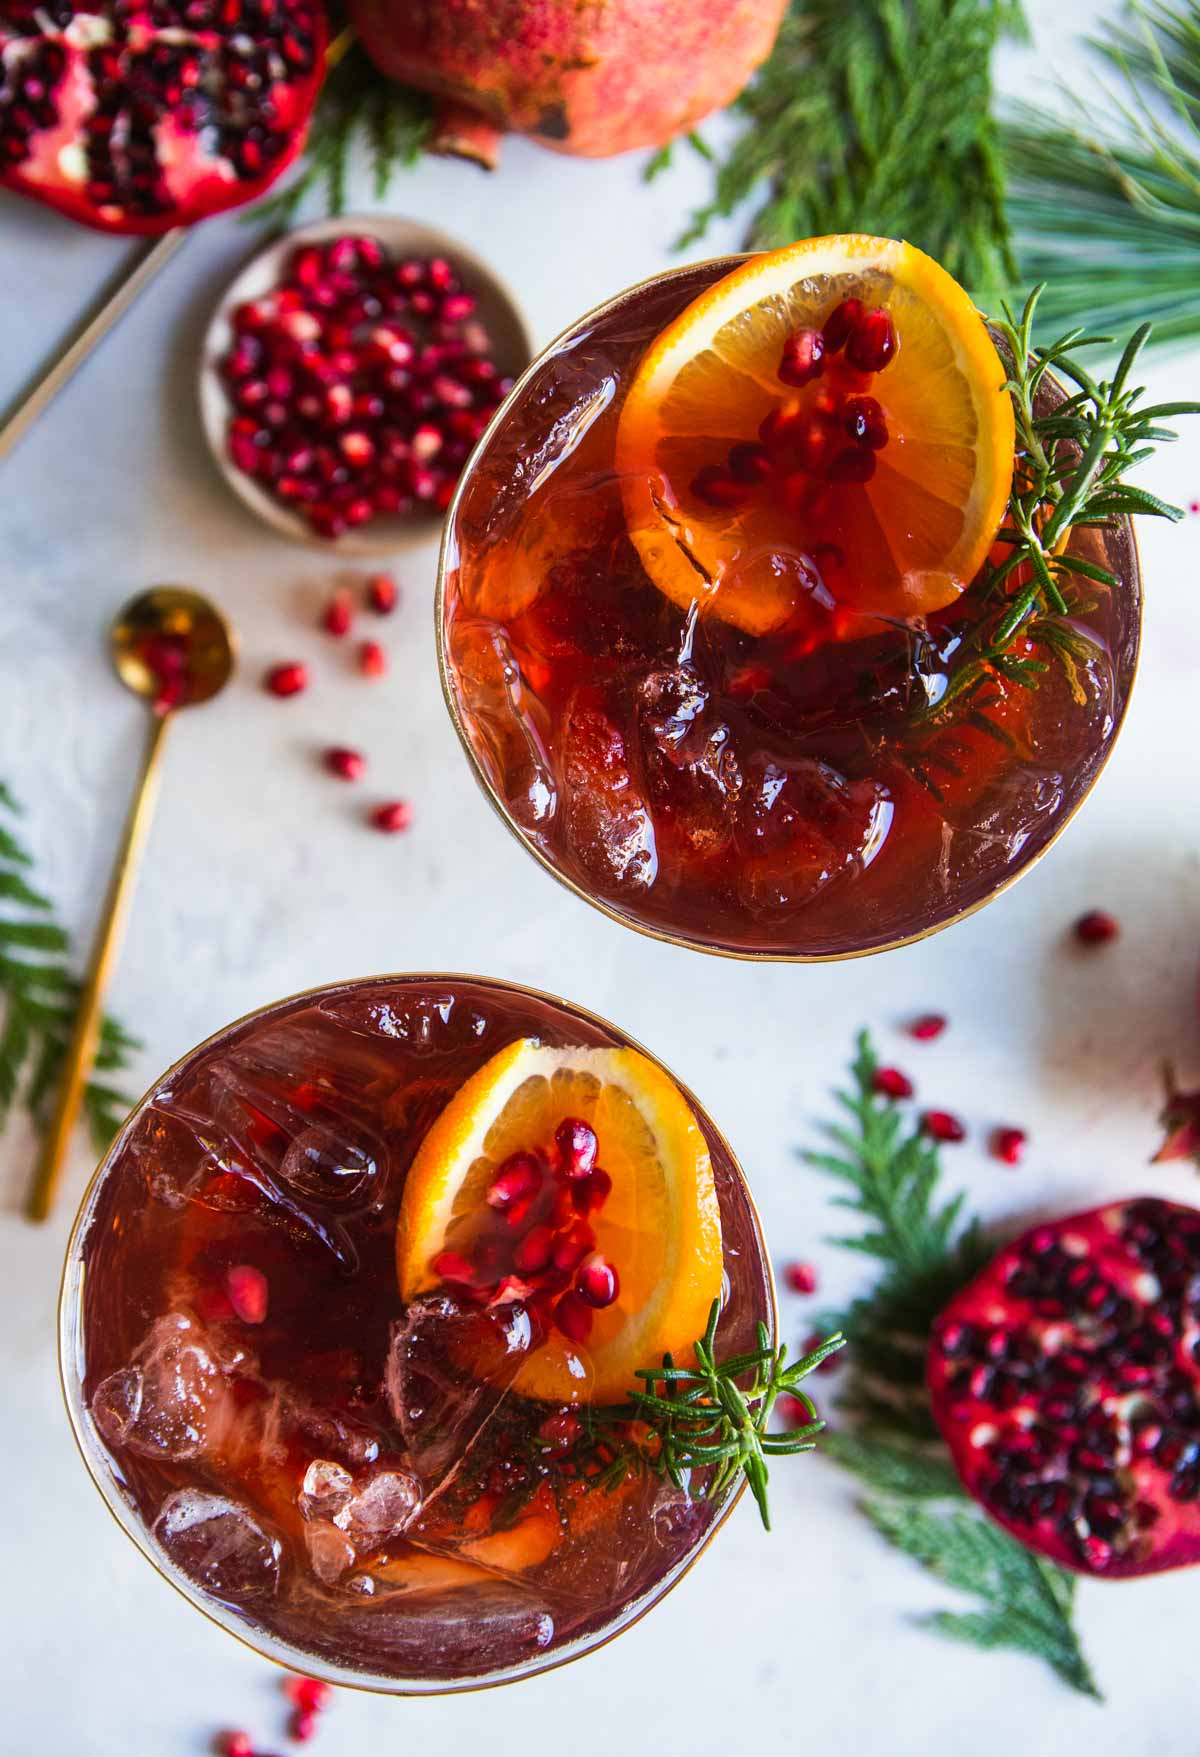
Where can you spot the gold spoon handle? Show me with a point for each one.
(81, 1051)
(15, 423)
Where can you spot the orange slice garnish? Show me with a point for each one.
(897, 525)
(658, 1223)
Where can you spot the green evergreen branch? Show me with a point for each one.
(38, 996)
(916, 1501)
(876, 116)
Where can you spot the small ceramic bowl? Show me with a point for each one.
(498, 311)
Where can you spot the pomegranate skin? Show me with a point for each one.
(1065, 1381)
(586, 77)
(151, 117)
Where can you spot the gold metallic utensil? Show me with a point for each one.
(174, 649)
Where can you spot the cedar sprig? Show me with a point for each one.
(714, 1418)
(38, 997)
(928, 1250)
(1072, 458)
(876, 116)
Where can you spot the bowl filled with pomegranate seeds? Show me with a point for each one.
(347, 375)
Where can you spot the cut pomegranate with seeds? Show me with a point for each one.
(802, 357)
(577, 1145)
(248, 1292)
(346, 764)
(372, 660)
(872, 342)
(339, 614)
(1008, 1145)
(801, 1277)
(891, 1083)
(573, 1317)
(596, 1281)
(943, 1125)
(1066, 1383)
(285, 680)
(927, 1027)
(1096, 928)
(140, 118)
(395, 815)
(382, 593)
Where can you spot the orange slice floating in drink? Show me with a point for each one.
(577, 1181)
(824, 432)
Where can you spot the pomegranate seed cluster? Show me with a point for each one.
(536, 1244)
(309, 1698)
(359, 385)
(1066, 1380)
(832, 438)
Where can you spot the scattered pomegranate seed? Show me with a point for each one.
(248, 1293)
(794, 1413)
(518, 1177)
(892, 1083)
(383, 594)
(832, 1362)
(942, 1125)
(865, 422)
(346, 764)
(801, 1277)
(372, 660)
(237, 1744)
(717, 487)
(596, 1281)
(285, 680)
(303, 1725)
(339, 614)
(927, 1027)
(578, 1146)
(535, 1250)
(841, 324)
(453, 1266)
(873, 342)
(1009, 1145)
(1096, 928)
(802, 358)
(573, 1318)
(395, 815)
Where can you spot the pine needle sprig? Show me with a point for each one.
(916, 1501)
(1072, 459)
(714, 1418)
(357, 102)
(876, 116)
(1105, 202)
(38, 996)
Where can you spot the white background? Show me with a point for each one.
(261, 879)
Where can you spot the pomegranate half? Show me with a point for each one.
(591, 77)
(141, 115)
(1066, 1381)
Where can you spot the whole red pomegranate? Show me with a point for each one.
(142, 115)
(592, 77)
(1066, 1381)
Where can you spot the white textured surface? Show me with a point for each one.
(260, 880)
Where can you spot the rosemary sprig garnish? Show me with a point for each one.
(1071, 464)
(703, 1419)
(916, 1502)
(38, 995)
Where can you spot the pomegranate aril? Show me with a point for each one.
(535, 1250)
(891, 1083)
(237, 1744)
(942, 1125)
(560, 1430)
(750, 462)
(372, 660)
(248, 1292)
(395, 815)
(854, 464)
(927, 1026)
(346, 764)
(577, 1147)
(813, 1340)
(801, 1277)
(1096, 928)
(717, 488)
(1008, 1145)
(285, 680)
(573, 1317)
(841, 324)
(865, 423)
(572, 1246)
(339, 614)
(802, 357)
(454, 1267)
(518, 1177)
(591, 1192)
(596, 1281)
(303, 1726)
(872, 343)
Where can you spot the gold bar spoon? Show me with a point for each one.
(174, 649)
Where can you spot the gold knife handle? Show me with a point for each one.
(81, 1051)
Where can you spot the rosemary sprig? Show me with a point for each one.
(702, 1419)
(1105, 203)
(876, 116)
(916, 1501)
(37, 1002)
(1071, 464)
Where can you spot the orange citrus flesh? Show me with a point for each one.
(658, 1223)
(805, 540)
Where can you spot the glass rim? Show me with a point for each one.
(497, 801)
(92, 1451)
